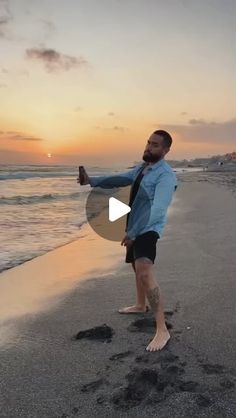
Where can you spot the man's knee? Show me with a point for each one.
(143, 267)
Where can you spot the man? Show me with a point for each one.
(159, 182)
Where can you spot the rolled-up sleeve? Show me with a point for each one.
(165, 188)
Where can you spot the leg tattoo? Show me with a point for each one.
(153, 296)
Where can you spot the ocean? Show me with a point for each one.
(41, 208)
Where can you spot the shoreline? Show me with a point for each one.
(55, 273)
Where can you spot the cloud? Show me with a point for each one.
(18, 136)
(200, 130)
(78, 109)
(184, 113)
(2, 85)
(111, 114)
(5, 18)
(55, 61)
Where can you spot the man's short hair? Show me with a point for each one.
(167, 140)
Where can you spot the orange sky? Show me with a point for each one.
(73, 84)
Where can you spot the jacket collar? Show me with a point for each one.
(155, 165)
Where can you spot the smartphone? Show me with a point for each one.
(81, 174)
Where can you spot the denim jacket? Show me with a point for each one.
(153, 197)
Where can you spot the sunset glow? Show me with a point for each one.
(92, 81)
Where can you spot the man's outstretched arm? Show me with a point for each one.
(115, 180)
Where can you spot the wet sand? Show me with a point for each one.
(74, 355)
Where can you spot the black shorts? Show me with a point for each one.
(144, 245)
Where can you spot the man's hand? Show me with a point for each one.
(86, 179)
(127, 241)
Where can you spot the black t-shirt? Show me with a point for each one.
(134, 191)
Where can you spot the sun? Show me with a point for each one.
(49, 155)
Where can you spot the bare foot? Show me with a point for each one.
(159, 341)
(133, 309)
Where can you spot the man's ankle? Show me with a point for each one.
(140, 306)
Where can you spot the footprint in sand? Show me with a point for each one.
(75, 410)
(203, 400)
(93, 386)
(212, 368)
(164, 357)
(142, 359)
(101, 399)
(227, 384)
(120, 356)
(145, 325)
(188, 386)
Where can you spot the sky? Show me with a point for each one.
(87, 81)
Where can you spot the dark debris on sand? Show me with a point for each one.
(153, 385)
(156, 377)
(101, 333)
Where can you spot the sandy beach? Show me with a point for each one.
(50, 370)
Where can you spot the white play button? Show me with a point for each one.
(106, 209)
(117, 209)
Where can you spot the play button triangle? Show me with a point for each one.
(117, 209)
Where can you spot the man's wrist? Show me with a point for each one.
(92, 181)
(131, 236)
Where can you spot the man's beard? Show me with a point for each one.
(150, 158)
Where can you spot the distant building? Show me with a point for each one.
(231, 157)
